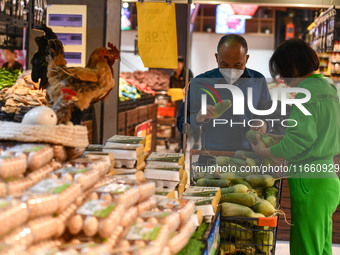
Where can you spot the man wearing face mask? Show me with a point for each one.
(231, 58)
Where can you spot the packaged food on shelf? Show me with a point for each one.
(146, 205)
(60, 153)
(146, 188)
(102, 156)
(143, 238)
(34, 231)
(85, 176)
(124, 194)
(38, 155)
(181, 238)
(167, 218)
(96, 217)
(184, 207)
(102, 166)
(43, 172)
(51, 196)
(13, 213)
(12, 165)
(129, 216)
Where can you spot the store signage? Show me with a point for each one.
(145, 130)
(157, 35)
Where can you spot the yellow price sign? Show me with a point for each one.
(157, 34)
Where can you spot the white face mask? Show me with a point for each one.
(231, 75)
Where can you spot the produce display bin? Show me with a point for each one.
(242, 235)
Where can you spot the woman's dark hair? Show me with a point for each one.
(293, 58)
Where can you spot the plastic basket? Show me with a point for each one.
(166, 111)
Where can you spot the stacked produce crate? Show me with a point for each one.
(128, 152)
(167, 171)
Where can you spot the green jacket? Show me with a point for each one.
(316, 137)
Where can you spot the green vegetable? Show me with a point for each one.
(268, 162)
(250, 162)
(228, 176)
(193, 247)
(199, 233)
(222, 183)
(263, 180)
(238, 188)
(271, 192)
(238, 198)
(8, 77)
(236, 231)
(267, 140)
(264, 207)
(231, 209)
(264, 241)
(246, 154)
(227, 249)
(241, 181)
(220, 109)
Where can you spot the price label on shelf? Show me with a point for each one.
(157, 34)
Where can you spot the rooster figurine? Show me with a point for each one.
(70, 87)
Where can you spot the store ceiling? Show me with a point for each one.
(285, 3)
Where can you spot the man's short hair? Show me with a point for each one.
(233, 38)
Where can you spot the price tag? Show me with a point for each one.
(157, 35)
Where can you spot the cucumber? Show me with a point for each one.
(222, 183)
(268, 162)
(220, 109)
(227, 248)
(228, 176)
(267, 140)
(250, 162)
(259, 191)
(241, 181)
(231, 210)
(239, 198)
(248, 250)
(263, 180)
(201, 175)
(246, 154)
(236, 231)
(264, 207)
(271, 192)
(272, 200)
(222, 160)
(238, 188)
(238, 161)
(264, 241)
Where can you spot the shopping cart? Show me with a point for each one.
(243, 235)
(250, 236)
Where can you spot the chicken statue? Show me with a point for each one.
(70, 87)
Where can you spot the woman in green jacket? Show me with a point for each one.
(309, 147)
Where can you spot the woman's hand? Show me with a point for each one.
(260, 148)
